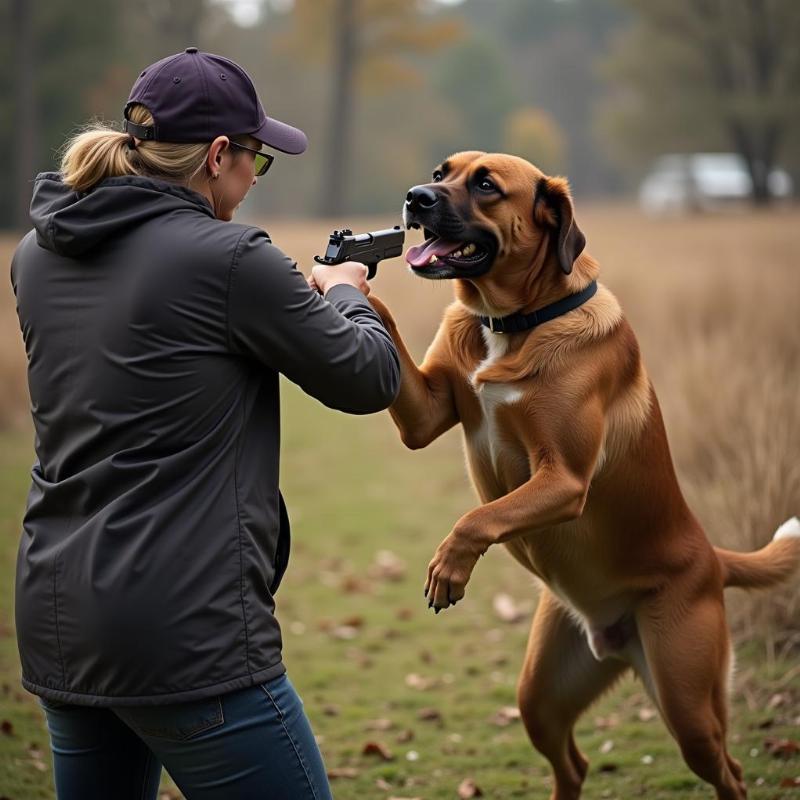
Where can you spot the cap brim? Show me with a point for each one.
(281, 136)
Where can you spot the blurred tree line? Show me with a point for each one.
(708, 75)
(387, 88)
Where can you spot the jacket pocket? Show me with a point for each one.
(178, 722)
(283, 546)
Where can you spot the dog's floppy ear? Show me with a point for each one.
(552, 208)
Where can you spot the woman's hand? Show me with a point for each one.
(324, 277)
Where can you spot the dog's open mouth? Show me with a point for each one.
(438, 257)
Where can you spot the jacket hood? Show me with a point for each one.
(72, 223)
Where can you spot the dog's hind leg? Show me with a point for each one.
(687, 655)
(559, 680)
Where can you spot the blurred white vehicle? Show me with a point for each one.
(704, 181)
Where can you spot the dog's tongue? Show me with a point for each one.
(420, 255)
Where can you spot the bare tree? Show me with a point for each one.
(334, 197)
(24, 119)
(710, 73)
(366, 41)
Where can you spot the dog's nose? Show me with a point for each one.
(421, 197)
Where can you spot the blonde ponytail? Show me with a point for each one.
(100, 152)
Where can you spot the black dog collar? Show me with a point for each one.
(514, 323)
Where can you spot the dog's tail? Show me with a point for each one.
(765, 567)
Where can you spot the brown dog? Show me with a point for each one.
(567, 451)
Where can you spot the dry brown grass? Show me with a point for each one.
(13, 383)
(714, 301)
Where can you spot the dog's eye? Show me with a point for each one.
(437, 176)
(486, 185)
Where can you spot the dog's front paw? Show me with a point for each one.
(448, 572)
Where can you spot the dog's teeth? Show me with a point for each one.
(469, 249)
(457, 254)
(433, 260)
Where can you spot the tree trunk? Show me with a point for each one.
(755, 140)
(336, 173)
(758, 159)
(24, 118)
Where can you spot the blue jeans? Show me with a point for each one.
(248, 744)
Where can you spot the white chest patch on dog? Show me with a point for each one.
(492, 395)
(496, 347)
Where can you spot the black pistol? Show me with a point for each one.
(366, 248)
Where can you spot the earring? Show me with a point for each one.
(215, 176)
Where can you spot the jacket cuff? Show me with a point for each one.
(343, 291)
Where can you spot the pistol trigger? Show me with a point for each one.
(371, 270)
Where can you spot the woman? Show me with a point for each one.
(155, 536)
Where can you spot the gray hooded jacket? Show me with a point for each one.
(155, 536)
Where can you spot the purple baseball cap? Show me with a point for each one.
(196, 96)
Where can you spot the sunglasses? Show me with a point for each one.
(262, 161)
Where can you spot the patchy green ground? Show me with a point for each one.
(375, 666)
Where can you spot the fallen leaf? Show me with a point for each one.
(405, 736)
(782, 748)
(7, 728)
(415, 681)
(377, 749)
(430, 715)
(789, 783)
(607, 746)
(506, 608)
(777, 700)
(359, 657)
(387, 566)
(330, 710)
(604, 723)
(345, 632)
(379, 725)
(385, 785)
(646, 714)
(505, 716)
(608, 767)
(37, 757)
(342, 772)
(352, 584)
(468, 788)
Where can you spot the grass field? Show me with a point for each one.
(714, 301)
